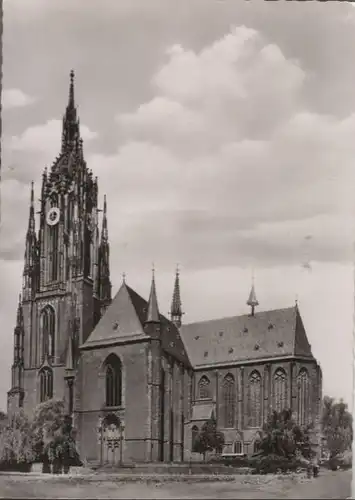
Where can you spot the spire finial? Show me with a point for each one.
(153, 309)
(252, 300)
(71, 89)
(175, 311)
(124, 277)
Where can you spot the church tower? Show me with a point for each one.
(66, 277)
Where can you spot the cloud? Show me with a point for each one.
(15, 98)
(190, 168)
(238, 87)
(227, 159)
(45, 138)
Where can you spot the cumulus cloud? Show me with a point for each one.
(45, 138)
(15, 98)
(227, 149)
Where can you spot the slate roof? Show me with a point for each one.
(267, 334)
(124, 321)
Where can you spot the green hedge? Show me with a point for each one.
(15, 466)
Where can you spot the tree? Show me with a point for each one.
(336, 426)
(54, 437)
(209, 439)
(283, 437)
(16, 440)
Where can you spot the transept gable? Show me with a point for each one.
(119, 323)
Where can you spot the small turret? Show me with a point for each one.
(176, 310)
(30, 264)
(252, 300)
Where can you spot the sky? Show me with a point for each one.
(222, 133)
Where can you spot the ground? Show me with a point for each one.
(103, 485)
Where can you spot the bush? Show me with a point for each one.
(272, 464)
(241, 461)
(16, 443)
(54, 436)
(343, 461)
(209, 439)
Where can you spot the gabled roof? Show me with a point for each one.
(267, 334)
(124, 321)
(120, 322)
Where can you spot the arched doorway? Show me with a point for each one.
(111, 440)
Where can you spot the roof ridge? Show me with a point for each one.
(246, 315)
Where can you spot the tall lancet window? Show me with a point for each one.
(204, 388)
(47, 332)
(53, 245)
(303, 402)
(228, 401)
(46, 384)
(113, 381)
(280, 390)
(255, 400)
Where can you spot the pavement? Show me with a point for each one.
(328, 485)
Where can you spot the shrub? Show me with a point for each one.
(336, 426)
(16, 442)
(54, 436)
(209, 439)
(272, 464)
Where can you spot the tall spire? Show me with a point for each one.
(70, 134)
(153, 310)
(104, 262)
(31, 217)
(30, 261)
(176, 311)
(104, 234)
(252, 300)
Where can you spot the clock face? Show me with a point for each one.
(53, 216)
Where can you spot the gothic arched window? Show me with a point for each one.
(228, 401)
(255, 401)
(280, 390)
(47, 332)
(194, 435)
(46, 384)
(204, 389)
(302, 396)
(238, 446)
(113, 378)
(256, 446)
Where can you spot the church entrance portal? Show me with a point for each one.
(111, 440)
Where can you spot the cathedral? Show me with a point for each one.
(139, 386)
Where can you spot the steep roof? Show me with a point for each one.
(120, 323)
(267, 334)
(124, 321)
